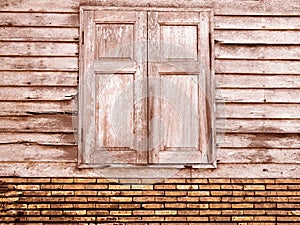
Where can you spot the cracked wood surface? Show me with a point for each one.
(257, 78)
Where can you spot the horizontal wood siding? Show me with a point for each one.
(38, 79)
(257, 78)
(257, 71)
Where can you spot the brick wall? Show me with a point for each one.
(117, 201)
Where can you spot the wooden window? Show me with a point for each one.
(146, 88)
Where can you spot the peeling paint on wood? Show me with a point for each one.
(258, 81)
(257, 66)
(258, 125)
(239, 51)
(38, 123)
(37, 153)
(10, 108)
(258, 110)
(38, 34)
(224, 170)
(38, 49)
(41, 78)
(259, 156)
(37, 93)
(39, 63)
(38, 138)
(259, 95)
(39, 19)
(259, 140)
(257, 37)
(225, 7)
(257, 22)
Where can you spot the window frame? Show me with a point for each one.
(210, 91)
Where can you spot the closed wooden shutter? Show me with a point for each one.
(146, 90)
(113, 119)
(179, 87)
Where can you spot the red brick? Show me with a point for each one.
(164, 186)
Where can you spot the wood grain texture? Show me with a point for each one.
(291, 52)
(257, 22)
(38, 34)
(115, 43)
(257, 37)
(39, 19)
(55, 139)
(259, 156)
(258, 70)
(257, 81)
(43, 79)
(230, 170)
(38, 49)
(254, 110)
(34, 6)
(180, 125)
(273, 7)
(105, 156)
(39, 63)
(247, 170)
(259, 140)
(37, 93)
(223, 7)
(257, 67)
(38, 123)
(108, 92)
(37, 153)
(173, 43)
(11, 108)
(259, 95)
(258, 125)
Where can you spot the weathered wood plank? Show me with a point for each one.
(180, 155)
(225, 7)
(259, 156)
(257, 52)
(262, 140)
(38, 34)
(259, 95)
(38, 49)
(42, 6)
(220, 7)
(37, 93)
(257, 37)
(26, 78)
(38, 138)
(257, 81)
(37, 153)
(37, 107)
(39, 19)
(279, 111)
(39, 63)
(273, 7)
(39, 123)
(248, 170)
(255, 22)
(68, 169)
(258, 126)
(113, 157)
(257, 66)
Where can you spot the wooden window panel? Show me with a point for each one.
(164, 49)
